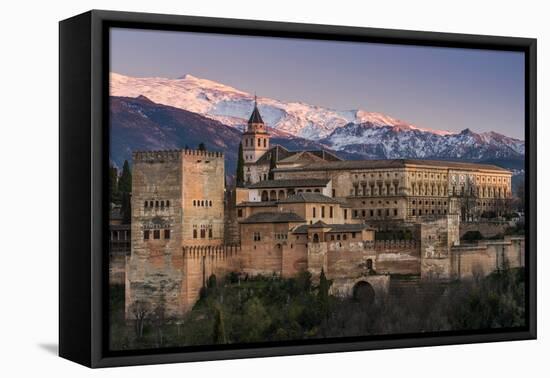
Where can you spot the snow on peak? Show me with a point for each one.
(233, 106)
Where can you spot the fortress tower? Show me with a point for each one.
(255, 139)
(177, 201)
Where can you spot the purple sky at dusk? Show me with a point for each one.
(439, 88)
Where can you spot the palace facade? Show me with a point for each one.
(303, 210)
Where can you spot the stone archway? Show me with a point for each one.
(364, 292)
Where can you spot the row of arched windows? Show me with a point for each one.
(156, 234)
(204, 230)
(156, 204)
(250, 142)
(202, 203)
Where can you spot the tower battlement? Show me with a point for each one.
(215, 252)
(173, 155)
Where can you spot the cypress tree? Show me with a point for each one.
(113, 184)
(219, 328)
(272, 164)
(322, 295)
(125, 189)
(240, 167)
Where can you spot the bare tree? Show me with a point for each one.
(141, 311)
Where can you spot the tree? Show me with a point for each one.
(219, 327)
(240, 167)
(272, 164)
(113, 184)
(141, 311)
(125, 189)
(201, 147)
(322, 294)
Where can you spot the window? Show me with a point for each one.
(353, 234)
(156, 234)
(259, 142)
(372, 213)
(210, 233)
(345, 214)
(413, 212)
(322, 211)
(334, 192)
(379, 212)
(338, 237)
(162, 204)
(194, 203)
(256, 236)
(331, 237)
(203, 233)
(194, 234)
(344, 237)
(355, 213)
(210, 203)
(395, 212)
(387, 212)
(146, 235)
(156, 203)
(363, 213)
(150, 203)
(167, 203)
(146, 203)
(240, 213)
(166, 234)
(314, 213)
(330, 212)
(265, 142)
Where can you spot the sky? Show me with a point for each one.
(431, 87)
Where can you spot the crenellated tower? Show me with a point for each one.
(255, 139)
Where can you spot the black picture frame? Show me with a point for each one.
(83, 153)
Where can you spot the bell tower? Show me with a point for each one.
(255, 139)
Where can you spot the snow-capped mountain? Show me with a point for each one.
(357, 132)
(232, 106)
(392, 142)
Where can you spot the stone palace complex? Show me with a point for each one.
(303, 210)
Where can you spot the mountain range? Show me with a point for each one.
(152, 113)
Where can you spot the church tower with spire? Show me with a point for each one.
(255, 139)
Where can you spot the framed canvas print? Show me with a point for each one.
(234, 188)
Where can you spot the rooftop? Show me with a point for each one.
(274, 217)
(390, 163)
(309, 197)
(292, 183)
(333, 227)
(257, 204)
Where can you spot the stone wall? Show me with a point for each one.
(486, 257)
(488, 229)
(200, 262)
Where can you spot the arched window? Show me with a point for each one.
(167, 203)
(259, 142)
(162, 204)
(194, 234)
(146, 203)
(194, 202)
(265, 196)
(210, 203)
(273, 195)
(265, 143)
(369, 264)
(150, 203)
(156, 203)
(202, 203)
(315, 238)
(210, 233)
(281, 194)
(314, 212)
